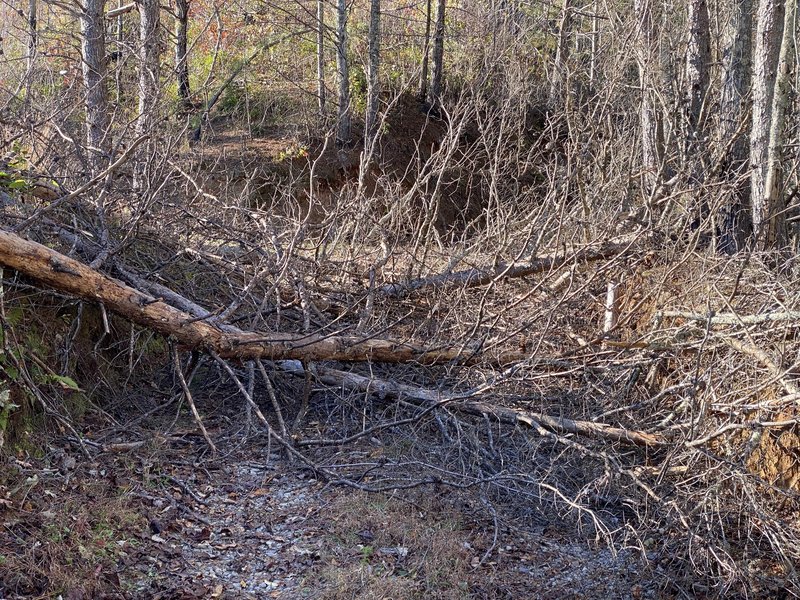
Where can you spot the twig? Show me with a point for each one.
(188, 395)
(102, 175)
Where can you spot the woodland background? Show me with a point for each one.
(529, 268)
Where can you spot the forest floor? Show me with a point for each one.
(155, 520)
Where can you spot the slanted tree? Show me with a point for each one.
(93, 51)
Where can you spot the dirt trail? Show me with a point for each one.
(127, 526)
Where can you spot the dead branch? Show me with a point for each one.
(760, 355)
(464, 403)
(482, 276)
(732, 318)
(117, 12)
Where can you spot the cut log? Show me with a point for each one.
(70, 276)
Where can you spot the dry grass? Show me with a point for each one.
(66, 537)
(380, 548)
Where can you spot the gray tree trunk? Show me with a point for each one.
(650, 118)
(559, 78)
(33, 36)
(733, 219)
(33, 42)
(774, 218)
(343, 132)
(594, 43)
(149, 56)
(93, 50)
(321, 56)
(766, 54)
(373, 85)
(698, 61)
(181, 51)
(437, 70)
(423, 78)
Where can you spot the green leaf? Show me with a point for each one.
(68, 383)
(11, 371)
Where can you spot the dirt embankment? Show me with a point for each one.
(438, 166)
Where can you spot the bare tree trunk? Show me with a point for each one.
(698, 60)
(594, 43)
(321, 56)
(343, 132)
(765, 67)
(559, 78)
(650, 119)
(774, 219)
(149, 50)
(423, 78)
(181, 51)
(373, 90)
(33, 39)
(93, 48)
(733, 220)
(437, 71)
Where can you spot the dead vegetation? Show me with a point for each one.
(424, 327)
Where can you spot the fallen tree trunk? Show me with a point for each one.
(732, 318)
(68, 275)
(477, 276)
(465, 403)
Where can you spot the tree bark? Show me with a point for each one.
(423, 78)
(181, 52)
(650, 120)
(559, 78)
(321, 56)
(33, 39)
(149, 55)
(437, 70)
(93, 50)
(343, 132)
(774, 220)
(766, 53)
(373, 89)
(698, 60)
(595, 42)
(733, 219)
(73, 277)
